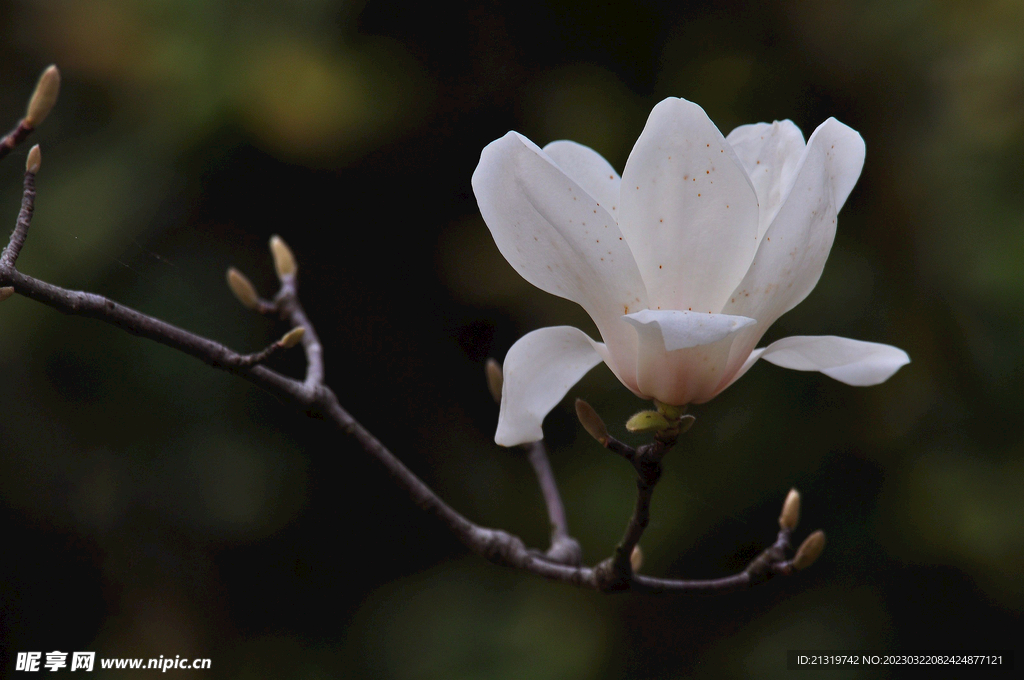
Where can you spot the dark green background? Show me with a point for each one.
(150, 505)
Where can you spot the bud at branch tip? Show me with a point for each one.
(636, 558)
(44, 97)
(34, 160)
(495, 380)
(591, 422)
(242, 288)
(284, 261)
(790, 516)
(809, 550)
(292, 337)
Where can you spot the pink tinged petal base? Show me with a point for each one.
(688, 210)
(539, 370)
(681, 355)
(854, 362)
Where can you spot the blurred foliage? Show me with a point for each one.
(153, 506)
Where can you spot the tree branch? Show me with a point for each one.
(562, 562)
(564, 548)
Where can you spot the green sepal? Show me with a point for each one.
(647, 421)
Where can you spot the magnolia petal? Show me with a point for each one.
(792, 254)
(554, 233)
(770, 153)
(539, 369)
(688, 210)
(590, 170)
(681, 355)
(679, 329)
(853, 362)
(750, 361)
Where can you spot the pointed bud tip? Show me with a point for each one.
(284, 261)
(34, 160)
(292, 337)
(790, 516)
(591, 422)
(809, 551)
(44, 97)
(6, 292)
(495, 379)
(242, 288)
(636, 558)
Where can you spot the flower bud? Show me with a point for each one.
(636, 558)
(6, 292)
(591, 422)
(43, 99)
(790, 516)
(242, 288)
(292, 337)
(647, 421)
(284, 261)
(809, 550)
(495, 379)
(34, 160)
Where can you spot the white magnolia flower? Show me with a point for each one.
(683, 262)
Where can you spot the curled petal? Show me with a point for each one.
(853, 362)
(679, 329)
(792, 254)
(590, 170)
(688, 210)
(555, 234)
(539, 369)
(682, 355)
(770, 153)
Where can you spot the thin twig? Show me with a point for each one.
(13, 138)
(287, 301)
(314, 397)
(28, 203)
(564, 548)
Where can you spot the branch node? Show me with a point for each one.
(610, 577)
(501, 547)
